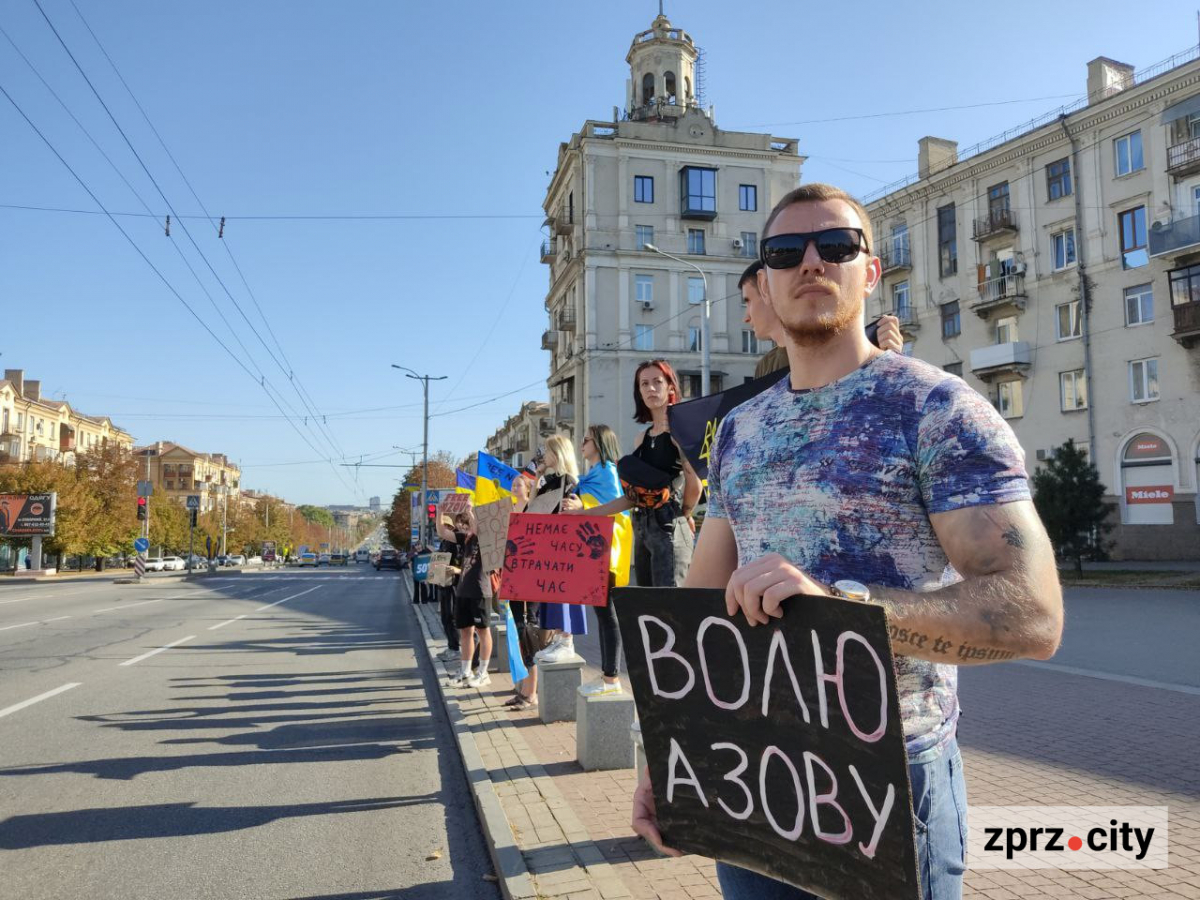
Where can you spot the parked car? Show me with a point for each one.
(236, 559)
(198, 561)
(254, 561)
(388, 559)
(308, 559)
(337, 559)
(323, 559)
(154, 564)
(362, 555)
(173, 564)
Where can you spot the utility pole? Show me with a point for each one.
(424, 379)
(705, 336)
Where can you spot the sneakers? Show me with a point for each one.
(479, 679)
(559, 652)
(549, 648)
(600, 687)
(460, 680)
(449, 655)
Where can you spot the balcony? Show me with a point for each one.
(1175, 238)
(564, 413)
(1184, 159)
(1003, 294)
(1012, 358)
(1187, 323)
(523, 443)
(564, 222)
(66, 440)
(549, 250)
(908, 319)
(566, 319)
(895, 259)
(997, 223)
(550, 340)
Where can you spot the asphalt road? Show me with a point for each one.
(282, 746)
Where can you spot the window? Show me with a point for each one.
(1139, 305)
(696, 241)
(1062, 245)
(998, 200)
(1072, 391)
(900, 302)
(947, 241)
(900, 245)
(644, 285)
(1132, 224)
(750, 244)
(1143, 380)
(748, 197)
(698, 192)
(669, 85)
(690, 385)
(1009, 400)
(1193, 126)
(644, 235)
(643, 338)
(953, 368)
(1128, 151)
(951, 321)
(1058, 179)
(749, 341)
(695, 290)
(1185, 289)
(643, 189)
(647, 87)
(1067, 322)
(1006, 330)
(695, 339)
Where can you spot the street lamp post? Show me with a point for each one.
(424, 379)
(705, 353)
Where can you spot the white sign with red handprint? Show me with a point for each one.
(557, 559)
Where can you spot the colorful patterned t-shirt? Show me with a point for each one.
(841, 480)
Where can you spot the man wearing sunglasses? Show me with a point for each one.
(883, 333)
(862, 475)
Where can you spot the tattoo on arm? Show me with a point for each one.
(1012, 536)
(907, 639)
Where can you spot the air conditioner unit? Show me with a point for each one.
(647, 304)
(1043, 455)
(737, 243)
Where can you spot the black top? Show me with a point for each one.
(552, 482)
(474, 582)
(660, 451)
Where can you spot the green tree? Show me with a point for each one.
(318, 515)
(108, 474)
(169, 524)
(1069, 497)
(441, 475)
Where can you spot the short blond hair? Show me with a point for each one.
(814, 193)
(564, 450)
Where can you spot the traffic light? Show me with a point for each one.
(431, 512)
(142, 509)
(195, 514)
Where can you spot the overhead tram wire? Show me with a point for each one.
(153, 267)
(186, 231)
(289, 371)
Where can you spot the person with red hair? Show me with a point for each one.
(660, 486)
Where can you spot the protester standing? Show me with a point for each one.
(473, 613)
(599, 486)
(924, 473)
(560, 473)
(526, 614)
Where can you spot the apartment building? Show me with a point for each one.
(518, 439)
(40, 429)
(660, 175)
(180, 471)
(1056, 268)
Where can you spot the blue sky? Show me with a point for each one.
(324, 109)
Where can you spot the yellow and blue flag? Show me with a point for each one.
(464, 482)
(493, 479)
(601, 485)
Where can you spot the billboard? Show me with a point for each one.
(27, 514)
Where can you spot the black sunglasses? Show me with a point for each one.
(834, 245)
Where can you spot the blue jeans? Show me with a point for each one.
(940, 807)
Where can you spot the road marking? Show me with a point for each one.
(19, 599)
(58, 619)
(227, 622)
(128, 605)
(138, 659)
(38, 699)
(286, 599)
(1108, 676)
(22, 625)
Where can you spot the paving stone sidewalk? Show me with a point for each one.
(1029, 737)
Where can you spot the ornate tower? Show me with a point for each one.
(662, 68)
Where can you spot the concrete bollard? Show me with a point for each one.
(639, 751)
(601, 731)
(557, 684)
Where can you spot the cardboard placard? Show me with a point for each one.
(547, 503)
(454, 504)
(557, 559)
(778, 749)
(491, 526)
(439, 573)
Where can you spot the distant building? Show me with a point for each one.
(38, 429)
(374, 504)
(179, 471)
(661, 172)
(517, 440)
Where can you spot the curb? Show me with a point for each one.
(581, 859)
(507, 859)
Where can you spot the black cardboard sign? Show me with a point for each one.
(777, 748)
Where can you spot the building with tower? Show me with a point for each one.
(658, 174)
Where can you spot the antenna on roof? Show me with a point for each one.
(701, 77)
